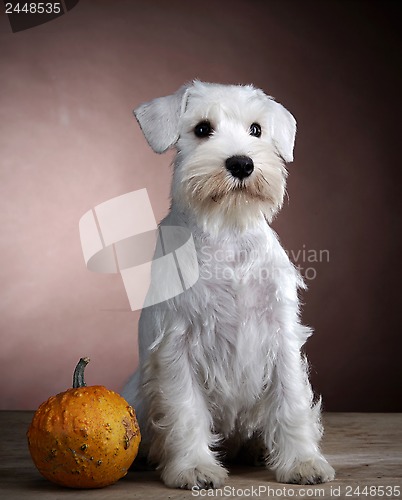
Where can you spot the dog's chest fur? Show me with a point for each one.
(232, 316)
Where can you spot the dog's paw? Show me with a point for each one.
(203, 477)
(313, 471)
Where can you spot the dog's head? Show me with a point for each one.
(232, 142)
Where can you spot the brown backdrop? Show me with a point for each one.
(68, 142)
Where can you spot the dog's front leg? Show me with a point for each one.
(181, 435)
(293, 428)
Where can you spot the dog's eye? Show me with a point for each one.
(255, 130)
(203, 129)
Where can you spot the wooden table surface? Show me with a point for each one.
(364, 448)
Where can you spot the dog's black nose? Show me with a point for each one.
(240, 166)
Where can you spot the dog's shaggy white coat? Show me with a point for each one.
(221, 367)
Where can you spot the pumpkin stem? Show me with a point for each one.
(78, 377)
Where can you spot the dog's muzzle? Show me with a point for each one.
(240, 166)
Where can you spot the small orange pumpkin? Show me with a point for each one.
(85, 437)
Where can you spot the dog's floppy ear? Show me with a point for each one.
(283, 130)
(159, 119)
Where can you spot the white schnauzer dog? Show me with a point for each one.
(221, 368)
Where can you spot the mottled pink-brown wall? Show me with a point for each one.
(68, 141)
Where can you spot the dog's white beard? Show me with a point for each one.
(202, 185)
